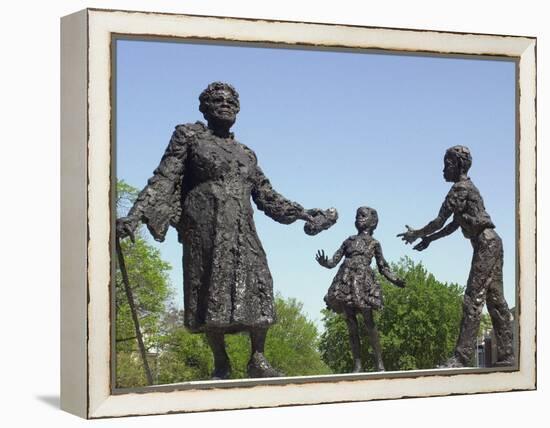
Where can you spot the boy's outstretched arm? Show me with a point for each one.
(447, 230)
(437, 223)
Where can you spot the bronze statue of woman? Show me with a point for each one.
(355, 289)
(202, 187)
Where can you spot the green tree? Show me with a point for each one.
(485, 325)
(184, 356)
(418, 325)
(292, 343)
(149, 281)
(148, 278)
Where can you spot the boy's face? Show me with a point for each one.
(451, 168)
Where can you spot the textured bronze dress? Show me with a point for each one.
(203, 188)
(355, 286)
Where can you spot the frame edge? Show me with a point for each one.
(74, 201)
(111, 406)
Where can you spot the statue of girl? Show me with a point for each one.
(355, 289)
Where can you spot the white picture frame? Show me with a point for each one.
(87, 236)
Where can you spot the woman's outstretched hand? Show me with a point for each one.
(318, 220)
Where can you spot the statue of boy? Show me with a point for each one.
(465, 204)
(202, 187)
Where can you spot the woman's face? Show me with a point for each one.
(222, 107)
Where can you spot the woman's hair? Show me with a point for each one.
(463, 155)
(372, 214)
(209, 92)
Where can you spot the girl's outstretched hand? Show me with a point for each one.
(321, 258)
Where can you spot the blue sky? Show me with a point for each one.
(334, 129)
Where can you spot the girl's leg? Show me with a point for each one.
(374, 340)
(354, 341)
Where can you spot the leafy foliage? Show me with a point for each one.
(149, 281)
(183, 356)
(418, 325)
(148, 277)
(485, 325)
(125, 198)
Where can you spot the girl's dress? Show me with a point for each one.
(355, 285)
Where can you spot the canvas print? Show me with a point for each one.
(290, 212)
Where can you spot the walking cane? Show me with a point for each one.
(130, 297)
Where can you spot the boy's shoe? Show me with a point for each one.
(451, 363)
(506, 362)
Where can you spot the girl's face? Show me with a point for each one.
(363, 220)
